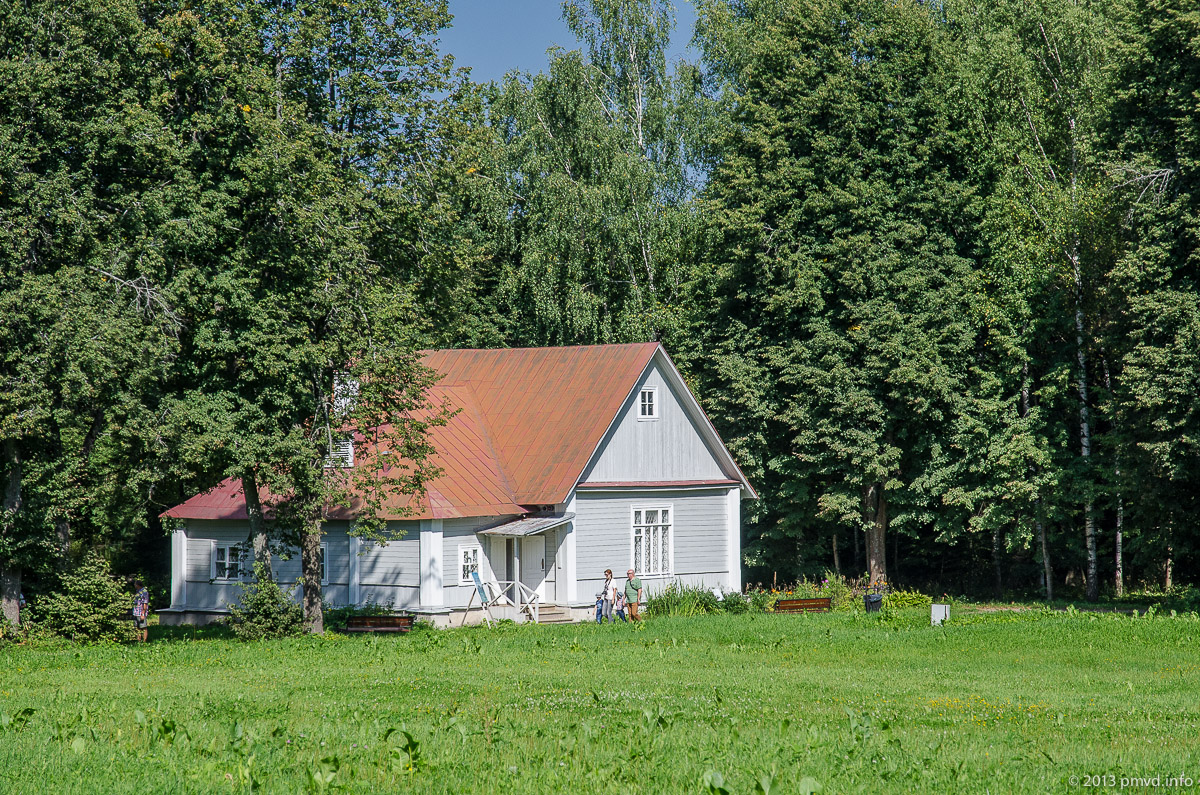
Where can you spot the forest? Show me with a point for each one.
(931, 267)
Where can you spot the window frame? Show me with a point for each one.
(214, 549)
(324, 563)
(341, 453)
(641, 508)
(653, 403)
(478, 548)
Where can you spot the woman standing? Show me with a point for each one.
(609, 595)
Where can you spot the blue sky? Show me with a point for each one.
(496, 36)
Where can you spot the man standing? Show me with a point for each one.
(633, 594)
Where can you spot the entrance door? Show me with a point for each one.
(533, 564)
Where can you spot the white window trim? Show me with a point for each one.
(662, 506)
(478, 562)
(341, 454)
(213, 546)
(324, 562)
(653, 390)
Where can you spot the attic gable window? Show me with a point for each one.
(341, 453)
(648, 403)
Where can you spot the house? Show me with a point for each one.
(559, 464)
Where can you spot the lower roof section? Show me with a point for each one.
(529, 526)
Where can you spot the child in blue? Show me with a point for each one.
(599, 607)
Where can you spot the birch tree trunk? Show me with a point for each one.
(1118, 553)
(1039, 525)
(1047, 569)
(10, 573)
(997, 568)
(1085, 425)
(857, 562)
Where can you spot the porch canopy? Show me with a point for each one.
(529, 526)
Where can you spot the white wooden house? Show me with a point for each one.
(560, 463)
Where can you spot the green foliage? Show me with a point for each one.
(90, 606)
(898, 599)
(265, 610)
(762, 601)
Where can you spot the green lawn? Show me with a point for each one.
(999, 702)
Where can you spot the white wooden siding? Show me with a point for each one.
(667, 448)
(456, 532)
(391, 575)
(396, 565)
(603, 526)
(387, 574)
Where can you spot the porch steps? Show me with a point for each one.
(549, 614)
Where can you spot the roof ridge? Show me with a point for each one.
(541, 347)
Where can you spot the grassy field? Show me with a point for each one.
(994, 702)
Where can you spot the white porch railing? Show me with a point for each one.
(527, 600)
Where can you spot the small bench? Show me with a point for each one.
(379, 624)
(823, 605)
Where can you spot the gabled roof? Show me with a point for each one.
(528, 422)
(545, 408)
(471, 483)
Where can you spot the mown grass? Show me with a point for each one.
(999, 702)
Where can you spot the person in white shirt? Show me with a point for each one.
(609, 595)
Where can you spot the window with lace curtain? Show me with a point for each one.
(652, 530)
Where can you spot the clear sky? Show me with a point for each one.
(496, 36)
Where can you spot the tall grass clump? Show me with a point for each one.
(681, 600)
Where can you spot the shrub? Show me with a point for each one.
(841, 595)
(897, 599)
(735, 603)
(90, 607)
(266, 610)
(762, 600)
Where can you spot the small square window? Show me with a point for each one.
(648, 403)
(227, 563)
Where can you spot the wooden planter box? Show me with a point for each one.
(379, 624)
(823, 605)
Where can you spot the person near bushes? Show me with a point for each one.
(141, 610)
(633, 594)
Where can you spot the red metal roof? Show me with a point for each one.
(546, 409)
(528, 422)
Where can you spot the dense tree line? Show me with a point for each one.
(932, 268)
